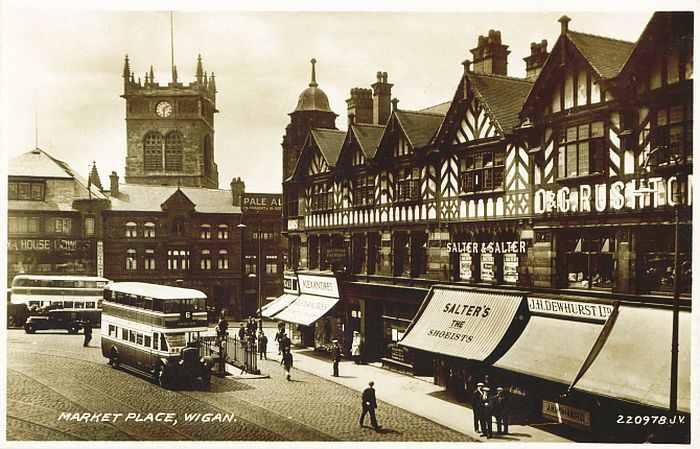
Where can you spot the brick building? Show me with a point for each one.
(556, 190)
(55, 222)
(176, 236)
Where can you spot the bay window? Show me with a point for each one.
(581, 150)
(482, 171)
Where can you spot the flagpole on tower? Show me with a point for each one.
(172, 48)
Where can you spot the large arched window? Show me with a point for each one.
(153, 151)
(173, 151)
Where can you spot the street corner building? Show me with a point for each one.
(534, 230)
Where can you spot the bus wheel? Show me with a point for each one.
(28, 328)
(73, 329)
(155, 376)
(114, 357)
(165, 378)
(206, 380)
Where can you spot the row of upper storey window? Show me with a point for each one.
(177, 260)
(148, 230)
(51, 225)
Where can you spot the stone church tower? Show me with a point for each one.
(170, 130)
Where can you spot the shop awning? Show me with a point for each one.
(551, 348)
(635, 362)
(461, 323)
(276, 306)
(306, 309)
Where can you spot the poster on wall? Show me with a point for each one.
(465, 266)
(510, 268)
(487, 268)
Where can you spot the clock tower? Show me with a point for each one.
(170, 130)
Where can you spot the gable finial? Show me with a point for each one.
(313, 82)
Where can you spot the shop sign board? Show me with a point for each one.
(487, 268)
(465, 266)
(318, 285)
(503, 247)
(291, 284)
(605, 197)
(261, 202)
(570, 309)
(510, 268)
(100, 259)
(562, 413)
(65, 245)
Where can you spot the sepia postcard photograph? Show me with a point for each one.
(300, 225)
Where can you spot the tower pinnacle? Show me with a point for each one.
(313, 82)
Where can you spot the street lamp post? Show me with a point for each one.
(679, 200)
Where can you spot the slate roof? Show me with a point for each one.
(420, 127)
(40, 164)
(136, 197)
(368, 136)
(503, 96)
(329, 141)
(441, 108)
(607, 56)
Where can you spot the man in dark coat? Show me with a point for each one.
(500, 410)
(279, 337)
(288, 362)
(477, 398)
(369, 405)
(241, 333)
(87, 329)
(486, 413)
(262, 345)
(337, 355)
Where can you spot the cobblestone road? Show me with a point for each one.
(52, 373)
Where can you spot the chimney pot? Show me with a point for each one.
(564, 20)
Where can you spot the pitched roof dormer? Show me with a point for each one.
(322, 146)
(178, 202)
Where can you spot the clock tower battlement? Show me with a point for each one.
(170, 129)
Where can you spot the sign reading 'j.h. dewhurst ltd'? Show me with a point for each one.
(571, 309)
(318, 285)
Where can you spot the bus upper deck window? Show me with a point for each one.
(68, 304)
(79, 305)
(163, 343)
(90, 305)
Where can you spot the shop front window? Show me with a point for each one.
(589, 259)
(419, 253)
(359, 253)
(402, 254)
(313, 252)
(373, 252)
(655, 260)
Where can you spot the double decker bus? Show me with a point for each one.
(156, 329)
(77, 296)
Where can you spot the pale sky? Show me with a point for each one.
(68, 64)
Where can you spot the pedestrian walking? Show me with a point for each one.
(501, 410)
(337, 355)
(222, 329)
(262, 345)
(288, 362)
(286, 343)
(486, 413)
(369, 405)
(356, 347)
(241, 333)
(87, 330)
(477, 396)
(279, 336)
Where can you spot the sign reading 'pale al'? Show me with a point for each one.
(570, 309)
(462, 323)
(318, 285)
(261, 202)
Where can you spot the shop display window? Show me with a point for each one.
(589, 259)
(655, 260)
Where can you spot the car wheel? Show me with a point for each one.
(114, 358)
(28, 328)
(165, 378)
(206, 380)
(73, 329)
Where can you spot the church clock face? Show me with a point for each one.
(164, 109)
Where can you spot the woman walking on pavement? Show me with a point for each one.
(288, 362)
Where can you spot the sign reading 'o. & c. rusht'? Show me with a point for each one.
(318, 285)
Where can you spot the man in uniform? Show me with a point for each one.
(487, 402)
(477, 397)
(337, 355)
(369, 404)
(501, 410)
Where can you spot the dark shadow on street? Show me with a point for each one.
(226, 385)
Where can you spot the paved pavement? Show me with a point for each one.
(51, 373)
(409, 393)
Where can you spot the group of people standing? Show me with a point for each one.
(488, 404)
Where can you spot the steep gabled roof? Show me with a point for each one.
(440, 108)
(368, 137)
(419, 127)
(606, 56)
(329, 141)
(502, 96)
(40, 164)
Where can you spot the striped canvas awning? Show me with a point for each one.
(306, 309)
(279, 304)
(461, 323)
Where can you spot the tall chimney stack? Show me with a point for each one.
(114, 184)
(360, 104)
(491, 56)
(381, 101)
(237, 191)
(535, 62)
